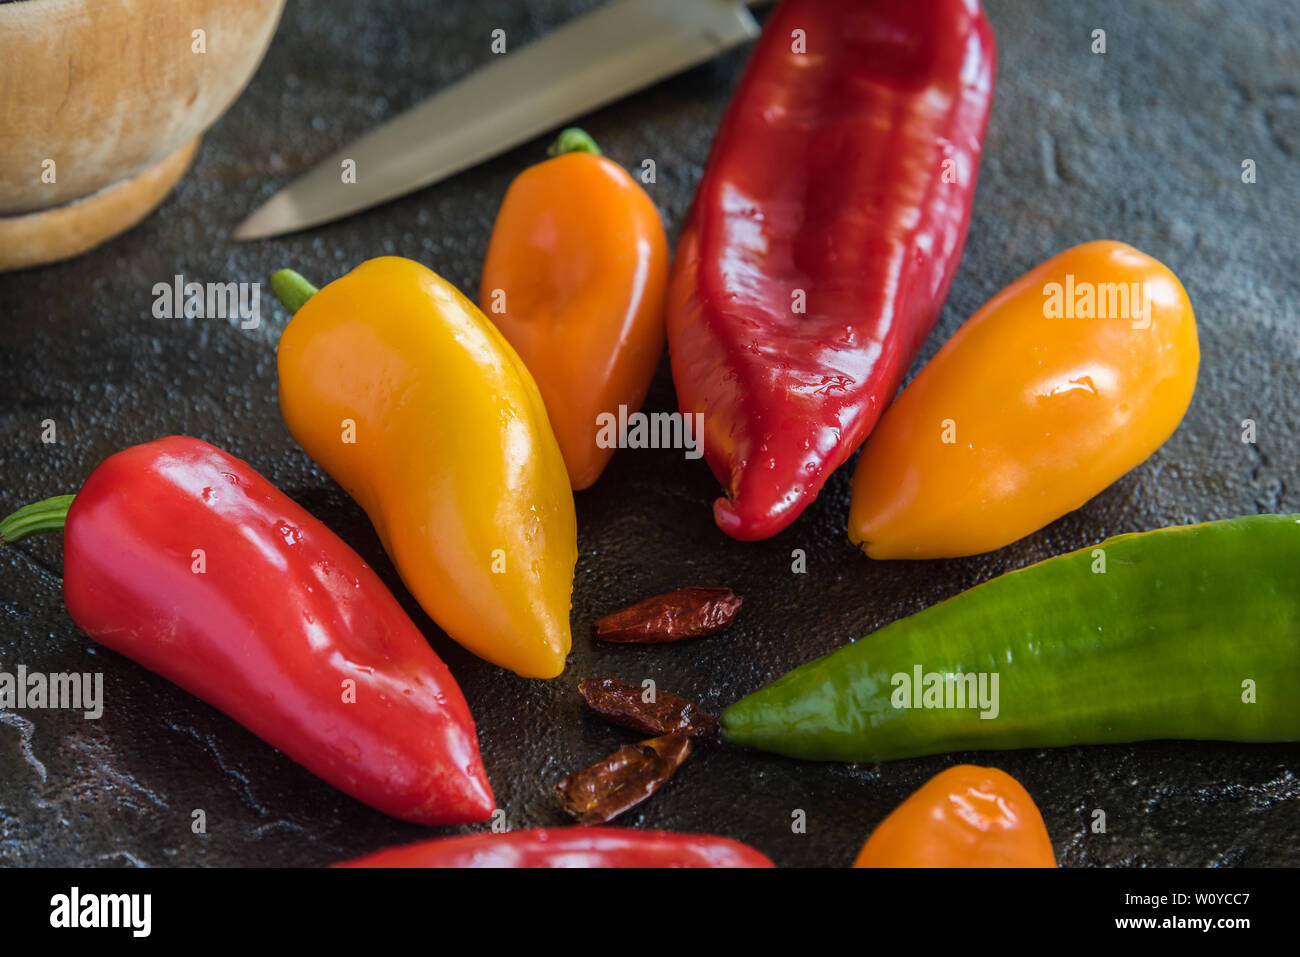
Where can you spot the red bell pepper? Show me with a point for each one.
(184, 559)
(823, 238)
(570, 847)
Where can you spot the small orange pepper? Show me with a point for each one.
(1062, 382)
(575, 277)
(963, 817)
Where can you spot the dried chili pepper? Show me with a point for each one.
(686, 613)
(624, 704)
(601, 792)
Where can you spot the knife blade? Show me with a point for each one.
(616, 49)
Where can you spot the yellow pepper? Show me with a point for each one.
(1060, 384)
(413, 401)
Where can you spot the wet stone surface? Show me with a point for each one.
(1143, 144)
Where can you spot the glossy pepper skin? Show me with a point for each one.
(453, 459)
(574, 277)
(1144, 637)
(282, 614)
(1027, 412)
(963, 817)
(570, 847)
(840, 184)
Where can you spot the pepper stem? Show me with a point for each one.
(573, 140)
(291, 289)
(43, 516)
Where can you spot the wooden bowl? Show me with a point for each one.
(102, 103)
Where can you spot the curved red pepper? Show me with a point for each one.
(570, 847)
(282, 613)
(841, 180)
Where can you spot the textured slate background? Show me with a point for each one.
(1143, 144)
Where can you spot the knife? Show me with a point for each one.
(618, 48)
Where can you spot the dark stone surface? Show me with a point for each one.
(1143, 144)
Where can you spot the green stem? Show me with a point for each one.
(41, 516)
(291, 289)
(573, 140)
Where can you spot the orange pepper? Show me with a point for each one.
(1032, 408)
(964, 817)
(575, 277)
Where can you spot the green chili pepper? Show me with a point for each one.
(1184, 632)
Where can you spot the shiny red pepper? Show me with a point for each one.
(570, 847)
(184, 559)
(823, 238)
